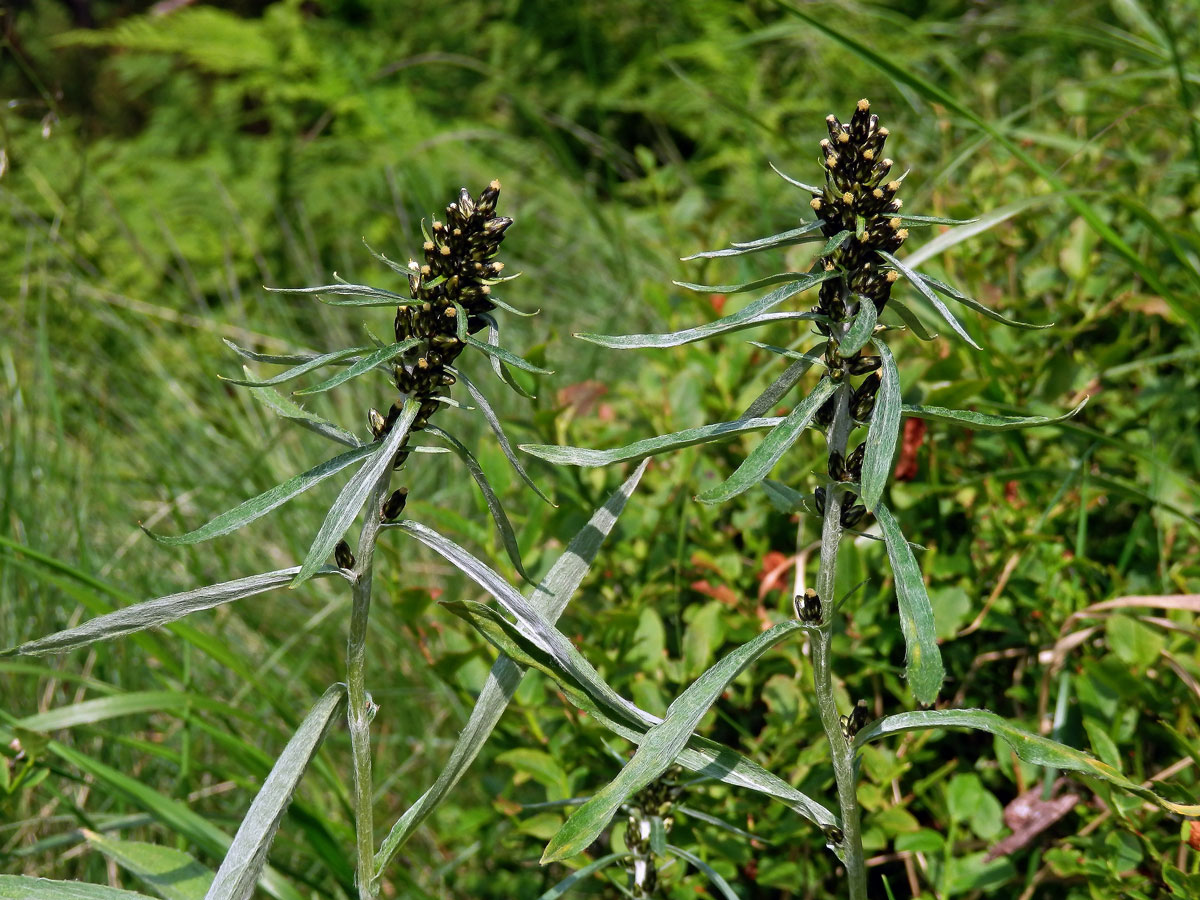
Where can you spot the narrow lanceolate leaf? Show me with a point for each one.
(794, 182)
(498, 367)
(153, 613)
(348, 503)
(810, 231)
(661, 745)
(303, 368)
(292, 411)
(782, 386)
(710, 873)
(910, 320)
(916, 281)
(955, 294)
(259, 506)
(366, 364)
(493, 421)
(741, 288)
(638, 450)
(762, 459)
(923, 664)
(170, 873)
(549, 600)
(363, 295)
(20, 887)
(884, 430)
(247, 855)
(102, 709)
(834, 242)
(860, 329)
(630, 722)
(567, 884)
(507, 536)
(1032, 748)
(506, 356)
(741, 319)
(277, 359)
(968, 418)
(934, 220)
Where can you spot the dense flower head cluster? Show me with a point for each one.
(451, 289)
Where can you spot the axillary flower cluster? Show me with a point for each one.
(859, 205)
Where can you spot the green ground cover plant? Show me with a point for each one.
(1059, 562)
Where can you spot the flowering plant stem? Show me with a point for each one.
(849, 848)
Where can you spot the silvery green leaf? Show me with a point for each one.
(923, 663)
(286, 359)
(985, 421)
(834, 242)
(933, 220)
(815, 355)
(955, 294)
(161, 611)
(363, 295)
(884, 431)
(354, 494)
(170, 873)
(396, 267)
(1032, 748)
(762, 459)
(242, 867)
(303, 368)
(710, 873)
(580, 874)
(366, 364)
(506, 356)
(21, 887)
(493, 421)
(910, 320)
(916, 281)
(259, 506)
(661, 745)
(292, 411)
(799, 235)
(512, 309)
(549, 600)
(741, 288)
(781, 386)
(507, 536)
(743, 318)
(638, 450)
(860, 330)
(783, 498)
(794, 182)
(501, 370)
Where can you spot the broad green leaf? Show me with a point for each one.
(779, 388)
(910, 320)
(794, 182)
(506, 356)
(705, 434)
(762, 459)
(580, 874)
(709, 872)
(923, 663)
(303, 368)
(860, 330)
(247, 855)
(660, 746)
(364, 295)
(170, 873)
(955, 294)
(289, 409)
(493, 421)
(1032, 748)
(20, 887)
(743, 318)
(153, 613)
(354, 494)
(630, 722)
(916, 281)
(784, 239)
(934, 220)
(549, 600)
(366, 364)
(984, 421)
(256, 507)
(507, 536)
(884, 430)
(741, 288)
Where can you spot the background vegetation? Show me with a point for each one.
(161, 165)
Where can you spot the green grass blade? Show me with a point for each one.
(170, 873)
(493, 422)
(923, 663)
(160, 611)
(294, 412)
(743, 318)
(926, 292)
(970, 302)
(983, 421)
(256, 507)
(325, 359)
(366, 364)
(762, 459)
(101, 709)
(860, 329)
(1032, 748)
(661, 745)
(247, 855)
(20, 887)
(884, 431)
(784, 239)
(639, 450)
(352, 497)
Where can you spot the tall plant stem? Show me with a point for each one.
(850, 848)
(359, 711)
